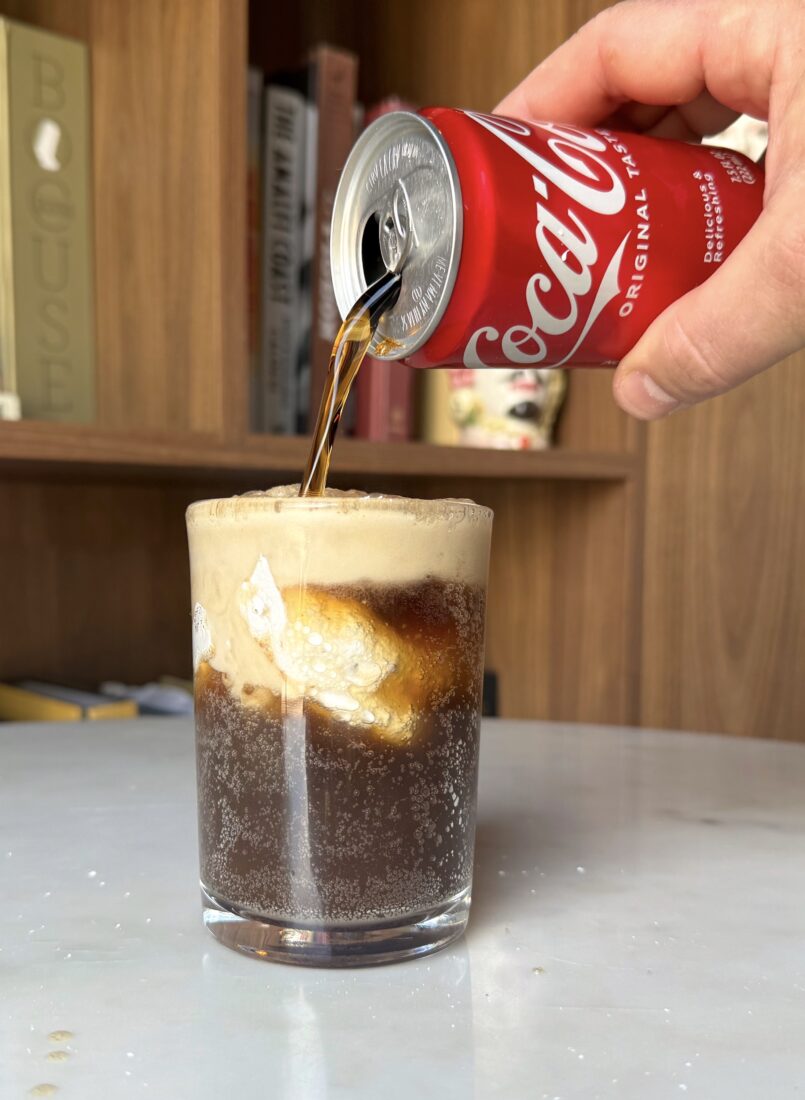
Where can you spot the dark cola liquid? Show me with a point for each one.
(349, 351)
(307, 819)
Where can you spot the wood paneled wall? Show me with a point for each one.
(724, 607)
(563, 609)
(94, 582)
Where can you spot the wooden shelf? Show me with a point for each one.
(78, 447)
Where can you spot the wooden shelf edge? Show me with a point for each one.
(66, 448)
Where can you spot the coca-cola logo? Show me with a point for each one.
(568, 249)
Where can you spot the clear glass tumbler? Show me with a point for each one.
(338, 652)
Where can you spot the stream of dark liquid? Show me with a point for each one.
(349, 351)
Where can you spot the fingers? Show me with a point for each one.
(683, 68)
(702, 116)
(751, 312)
(705, 115)
(687, 122)
(655, 52)
(748, 315)
(692, 121)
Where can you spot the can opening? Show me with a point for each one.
(398, 210)
(371, 257)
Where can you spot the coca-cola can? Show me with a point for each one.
(529, 244)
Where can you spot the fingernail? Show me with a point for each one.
(641, 396)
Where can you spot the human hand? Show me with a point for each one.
(682, 69)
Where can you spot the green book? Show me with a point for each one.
(46, 289)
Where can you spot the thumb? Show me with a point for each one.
(745, 317)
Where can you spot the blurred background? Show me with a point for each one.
(641, 575)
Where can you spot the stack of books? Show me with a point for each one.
(39, 701)
(34, 701)
(301, 127)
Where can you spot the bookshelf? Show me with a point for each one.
(51, 447)
(93, 571)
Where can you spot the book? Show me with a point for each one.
(153, 698)
(46, 307)
(384, 401)
(384, 391)
(283, 188)
(254, 148)
(10, 408)
(348, 425)
(333, 79)
(436, 424)
(386, 106)
(9, 399)
(34, 701)
(304, 331)
(358, 120)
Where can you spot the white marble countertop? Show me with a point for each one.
(638, 932)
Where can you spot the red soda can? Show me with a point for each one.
(529, 244)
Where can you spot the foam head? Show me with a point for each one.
(273, 578)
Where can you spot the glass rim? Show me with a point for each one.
(237, 507)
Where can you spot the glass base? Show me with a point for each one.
(358, 945)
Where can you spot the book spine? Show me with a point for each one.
(349, 417)
(358, 120)
(436, 421)
(19, 705)
(308, 249)
(283, 196)
(47, 88)
(334, 78)
(123, 708)
(9, 406)
(254, 142)
(384, 401)
(7, 352)
(90, 704)
(386, 106)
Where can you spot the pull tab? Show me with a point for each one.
(397, 232)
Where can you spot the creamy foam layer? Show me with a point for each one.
(342, 538)
(252, 556)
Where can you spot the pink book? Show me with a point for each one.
(384, 397)
(384, 390)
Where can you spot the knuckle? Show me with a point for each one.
(604, 29)
(695, 366)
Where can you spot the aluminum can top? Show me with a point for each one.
(398, 204)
